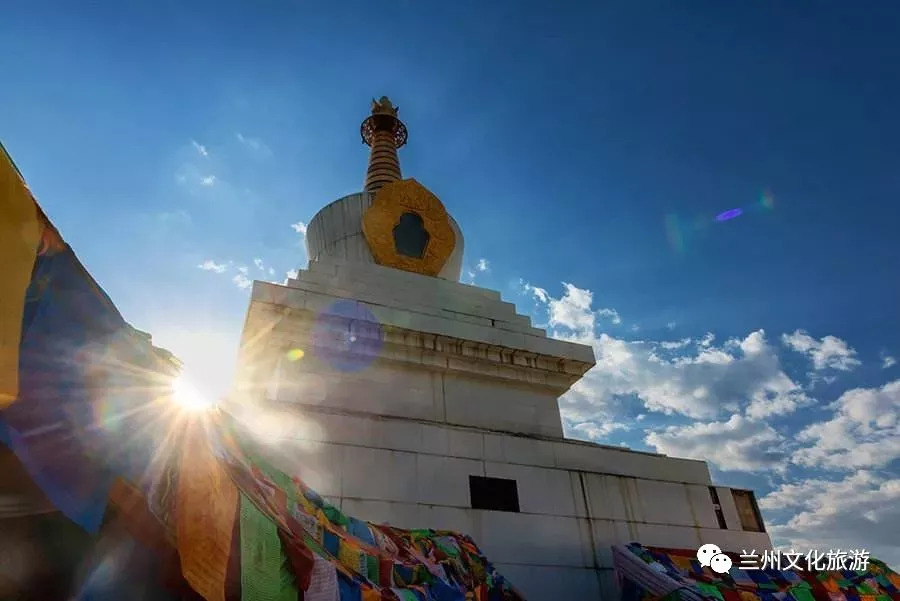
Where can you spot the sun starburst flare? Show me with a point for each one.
(186, 395)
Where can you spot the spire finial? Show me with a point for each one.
(384, 133)
(384, 106)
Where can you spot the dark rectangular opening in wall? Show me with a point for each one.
(495, 494)
(745, 501)
(714, 495)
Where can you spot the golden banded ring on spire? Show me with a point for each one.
(384, 133)
(383, 118)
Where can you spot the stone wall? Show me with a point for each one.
(576, 499)
(458, 385)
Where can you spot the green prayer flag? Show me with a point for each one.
(264, 572)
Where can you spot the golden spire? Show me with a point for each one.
(384, 133)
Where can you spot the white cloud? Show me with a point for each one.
(469, 275)
(299, 227)
(210, 265)
(733, 387)
(700, 384)
(829, 352)
(539, 293)
(863, 432)
(887, 361)
(259, 265)
(736, 444)
(271, 271)
(208, 180)
(595, 431)
(610, 314)
(242, 281)
(861, 511)
(254, 144)
(241, 278)
(702, 381)
(677, 344)
(200, 148)
(573, 311)
(671, 325)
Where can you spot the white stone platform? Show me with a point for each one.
(450, 352)
(462, 386)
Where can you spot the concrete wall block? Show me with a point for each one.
(533, 539)
(316, 297)
(701, 506)
(472, 367)
(379, 475)
(549, 583)
(597, 458)
(541, 490)
(489, 404)
(518, 449)
(578, 494)
(447, 518)
(373, 390)
(482, 321)
(559, 348)
(411, 436)
(738, 541)
(321, 266)
(378, 274)
(320, 466)
(665, 503)
(606, 497)
(281, 296)
(673, 537)
(466, 443)
(349, 429)
(400, 515)
(608, 533)
(445, 480)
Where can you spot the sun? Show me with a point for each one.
(186, 395)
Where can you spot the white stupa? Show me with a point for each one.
(404, 396)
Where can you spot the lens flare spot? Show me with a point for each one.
(106, 415)
(347, 336)
(295, 354)
(730, 214)
(186, 395)
(674, 234)
(766, 200)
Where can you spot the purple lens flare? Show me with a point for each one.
(730, 214)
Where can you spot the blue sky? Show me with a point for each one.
(585, 153)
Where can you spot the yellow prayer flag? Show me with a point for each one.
(370, 594)
(20, 232)
(205, 516)
(352, 557)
